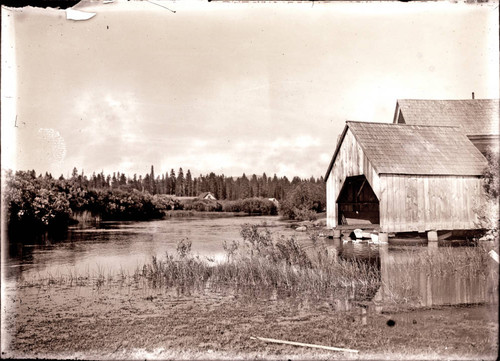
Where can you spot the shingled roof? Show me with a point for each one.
(475, 116)
(415, 149)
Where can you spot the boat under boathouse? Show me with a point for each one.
(404, 178)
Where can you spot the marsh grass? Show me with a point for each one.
(71, 278)
(263, 262)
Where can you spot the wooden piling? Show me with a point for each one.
(432, 236)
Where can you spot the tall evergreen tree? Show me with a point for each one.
(180, 184)
(172, 182)
(244, 187)
(162, 188)
(189, 184)
(196, 187)
(114, 181)
(123, 180)
(263, 186)
(254, 186)
(152, 185)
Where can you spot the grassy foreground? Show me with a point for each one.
(187, 307)
(133, 323)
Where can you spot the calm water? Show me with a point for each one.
(116, 246)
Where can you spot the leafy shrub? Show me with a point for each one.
(164, 202)
(491, 174)
(184, 248)
(303, 202)
(262, 244)
(118, 204)
(42, 203)
(487, 211)
(201, 205)
(254, 205)
(34, 203)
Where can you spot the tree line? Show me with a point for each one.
(42, 202)
(185, 185)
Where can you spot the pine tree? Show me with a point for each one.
(140, 184)
(172, 182)
(179, 189)
(221, 187)
(212, 185)
(147, 183)
(196, 187)
(230, 191)
(263, 187)
(152, 185)
(114, 181)
(161, 187)
(254, 186)
(244, 187)
(189, 184)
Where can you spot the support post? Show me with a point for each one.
(432, 236)
(336, 233)
(383, 237)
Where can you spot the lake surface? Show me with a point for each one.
(113, 247)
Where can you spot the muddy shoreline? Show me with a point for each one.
(120, 322)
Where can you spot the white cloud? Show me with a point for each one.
(305, 141)
(325, 157)
(102, 116)
(220, 98)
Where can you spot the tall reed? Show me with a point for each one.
(260, 261)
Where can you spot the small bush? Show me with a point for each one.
(202, 205)
(260, 206)
(487, 210)
(303, 202)
(491, 174)
(184, 248)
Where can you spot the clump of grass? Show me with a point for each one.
(71, 278)
(262, 262)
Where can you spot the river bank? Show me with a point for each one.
(181, 303)
(116, 322)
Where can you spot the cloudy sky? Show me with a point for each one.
(227, 87)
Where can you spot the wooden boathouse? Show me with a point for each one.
(404, 178)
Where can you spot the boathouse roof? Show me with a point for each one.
(474, 116)
(415, 149)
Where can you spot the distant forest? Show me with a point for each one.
(185, 185)
(39, 202)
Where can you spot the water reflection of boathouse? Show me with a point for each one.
(423, 285)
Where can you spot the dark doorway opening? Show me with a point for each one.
(357, 203)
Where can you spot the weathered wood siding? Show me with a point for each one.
(350, 161)
(422, 203)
